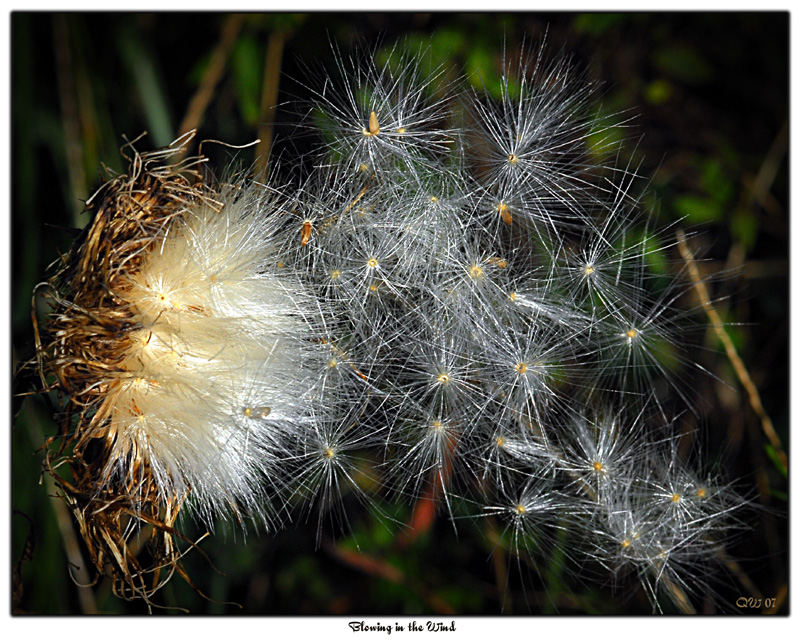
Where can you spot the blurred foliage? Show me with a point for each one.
(705, 100)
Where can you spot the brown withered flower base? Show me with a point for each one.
(128, 528)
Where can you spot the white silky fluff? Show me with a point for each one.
(214, 377)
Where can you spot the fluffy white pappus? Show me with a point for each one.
(655, 517)
(533, 512)
(504, 451)
(526, 360)
(379, 117)
(537, 138)
(440, 373)
(217, 373)
(597, 451)
(332, 465)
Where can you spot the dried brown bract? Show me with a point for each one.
(125, 520)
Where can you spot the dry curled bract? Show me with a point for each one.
(81, 351)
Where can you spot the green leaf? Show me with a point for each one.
(246, 60)
(604, 140)
(597, 23)
(152, 97)
(773, 455)
(658, 91)
(715, 181)
(446, 44)
(683, 63)
(744, 228)
(697, 210)
(654, 254)
(480, 72)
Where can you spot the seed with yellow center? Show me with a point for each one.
(512, 296)
(520, 509)
(500, 441)
(588, 269)
(512, 158)
(443, 378)
(333, 363)
(625, 543)
(434, 199)
(521, 368)
(372, 263)
(436, 424)
(597, 466)
(701, 493)
(631, 333)
(475, 272)
(335, 274)
(676, 497)
(401, 130)
(248, 412)
(329, 453)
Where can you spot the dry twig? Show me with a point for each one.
(216, 66)
(741, 371)
(269, 99)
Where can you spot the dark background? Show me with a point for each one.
(709, 96)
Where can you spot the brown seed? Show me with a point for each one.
(504, 212)
(374, 129)
(305, 234)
